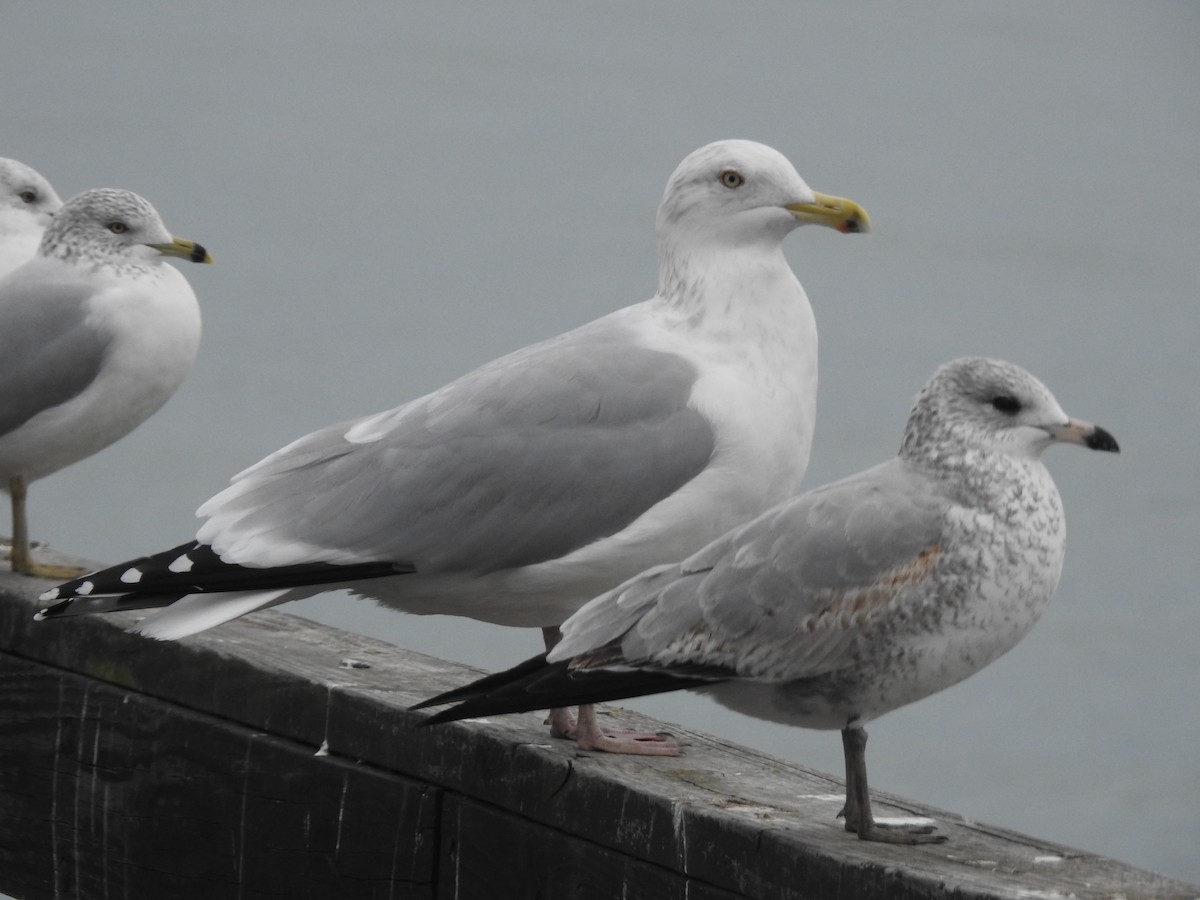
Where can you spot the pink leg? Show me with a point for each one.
(590, 736)
(587, 733)
(560, 721)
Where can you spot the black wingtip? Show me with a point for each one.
(51, 612)
(481, 687)
(450, 714)
(195, 568)
(538, 684)
(106, 603)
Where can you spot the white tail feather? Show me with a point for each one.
(199, 612)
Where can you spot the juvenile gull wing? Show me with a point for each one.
(774, 600)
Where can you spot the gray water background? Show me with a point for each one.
(397, 193)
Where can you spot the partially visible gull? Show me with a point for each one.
(849, 601)
(96, 333)
(525, 488)
(27, 203)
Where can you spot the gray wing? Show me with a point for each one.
(781, 596)
(48, 354)
(532, 456)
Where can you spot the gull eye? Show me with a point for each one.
(1006, 404)
(117, 227)
(731, 178)
(28, 196)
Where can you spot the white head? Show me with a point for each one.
(735, 193)
(25, 194)
(114, 226)
(978, 403)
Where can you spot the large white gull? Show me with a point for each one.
(849, 601)
(525, 488)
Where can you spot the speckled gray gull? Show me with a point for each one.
(525, 488)
(849, 601)
(96, 333)
(27, 204)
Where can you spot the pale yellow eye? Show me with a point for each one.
(732, 178)
(118, 227)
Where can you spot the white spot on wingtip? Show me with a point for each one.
(323, 750)
(131, 576)
(181, 564)
(86, 588)
(1048, 859)
(39, 616)
(51, 594)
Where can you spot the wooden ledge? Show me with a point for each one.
(275, 757)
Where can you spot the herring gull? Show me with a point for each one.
(96, 333)
(850, 600)
(518, 492)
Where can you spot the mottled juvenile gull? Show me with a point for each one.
(523, 489)
(96, 333)
(27, 203)
(850, 600)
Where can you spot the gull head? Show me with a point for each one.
(24, 192)
(107, 225)
(739, 193)
(995, 406)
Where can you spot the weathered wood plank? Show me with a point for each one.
(487, 852)
(723, 816)
(106, 793)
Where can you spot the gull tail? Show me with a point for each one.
(199, 612)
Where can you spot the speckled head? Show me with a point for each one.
(989, 404)
(112, 225)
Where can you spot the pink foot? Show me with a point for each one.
(588, 735)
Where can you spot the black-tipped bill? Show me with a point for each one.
(1100, 439)
(184, 249)
(1085, 434)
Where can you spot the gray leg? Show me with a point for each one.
(858, 800)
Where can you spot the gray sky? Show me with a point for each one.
(394, 195)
